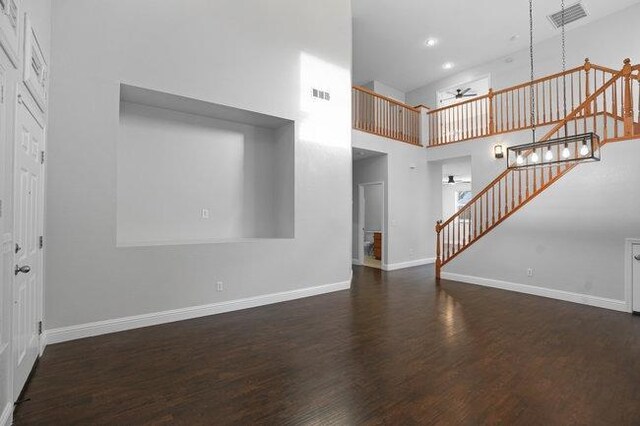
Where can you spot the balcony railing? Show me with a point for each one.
(508, 110)
(383, 116)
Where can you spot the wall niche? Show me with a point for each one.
(193, 172)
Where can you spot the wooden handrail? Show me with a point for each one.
(608, 112)
(386, 98)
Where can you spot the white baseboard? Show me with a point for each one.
(585, 299)
(356, 262)
(410, 264)
(6, 418)
(74, 332)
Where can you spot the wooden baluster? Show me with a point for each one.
(614, 107)
(587, 93)
(481, 202)
(573, 106)
(605, 117)
(537, 104)
(438, 259)
(492, 124)
(558, 115)
(499, 200)
(519, 122)
(550, 102)
(544, 104)
(627, 99)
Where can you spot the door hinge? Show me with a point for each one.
(40, 327)
(41, 241)
(41, 157)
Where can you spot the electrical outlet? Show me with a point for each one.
(205, 213)
(219, 286)
(530, 272)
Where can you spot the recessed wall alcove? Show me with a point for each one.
(194, 172)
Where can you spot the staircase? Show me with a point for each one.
(604, 106)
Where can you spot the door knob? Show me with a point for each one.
(637, 257)
(24, 269)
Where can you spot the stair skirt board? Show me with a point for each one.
(80, 331)
(567, 296)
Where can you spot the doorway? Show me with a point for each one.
(371, 223)
(28, 226)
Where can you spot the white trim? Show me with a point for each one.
(7, 415)
(628, 271)
(356, 262)
(409, 264)
(81, 331)
(585, 299)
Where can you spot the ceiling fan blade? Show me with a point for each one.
(451, 93)
(469, 94)
(447, 99)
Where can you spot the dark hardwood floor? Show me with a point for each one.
(395, 349)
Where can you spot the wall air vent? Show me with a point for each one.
(571, 14)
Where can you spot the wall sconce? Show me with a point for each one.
(498, 152)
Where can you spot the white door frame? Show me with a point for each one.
(361, 220)
(23, 97)
(630, 292)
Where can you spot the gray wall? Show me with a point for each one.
(97, 44)
(572, 235)
(172, 165)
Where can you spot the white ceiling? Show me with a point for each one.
(389, 35)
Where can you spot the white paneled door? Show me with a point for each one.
(29, 147)
(635, 276)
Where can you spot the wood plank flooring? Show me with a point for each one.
(396, 349)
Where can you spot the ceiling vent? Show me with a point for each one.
(571, 14)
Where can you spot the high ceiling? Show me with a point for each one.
(389, 35)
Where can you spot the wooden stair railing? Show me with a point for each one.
(384, 116)
(608, 111)
(508, 110)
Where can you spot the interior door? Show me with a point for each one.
(635, 277)
(29, 145)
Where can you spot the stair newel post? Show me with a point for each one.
(438, 254)
(627, 99)
(587, 93)
(492, 123)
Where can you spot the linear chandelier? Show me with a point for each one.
(566, 149)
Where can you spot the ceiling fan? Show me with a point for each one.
(459, 94)
(451, 180)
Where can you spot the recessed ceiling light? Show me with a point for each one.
(447, 65)
(431, 42)
(508, 60)
(514, 37)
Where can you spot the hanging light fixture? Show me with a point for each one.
(572, 149)
(565, 149)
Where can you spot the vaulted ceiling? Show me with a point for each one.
(389, 35)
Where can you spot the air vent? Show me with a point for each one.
(571, 14)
